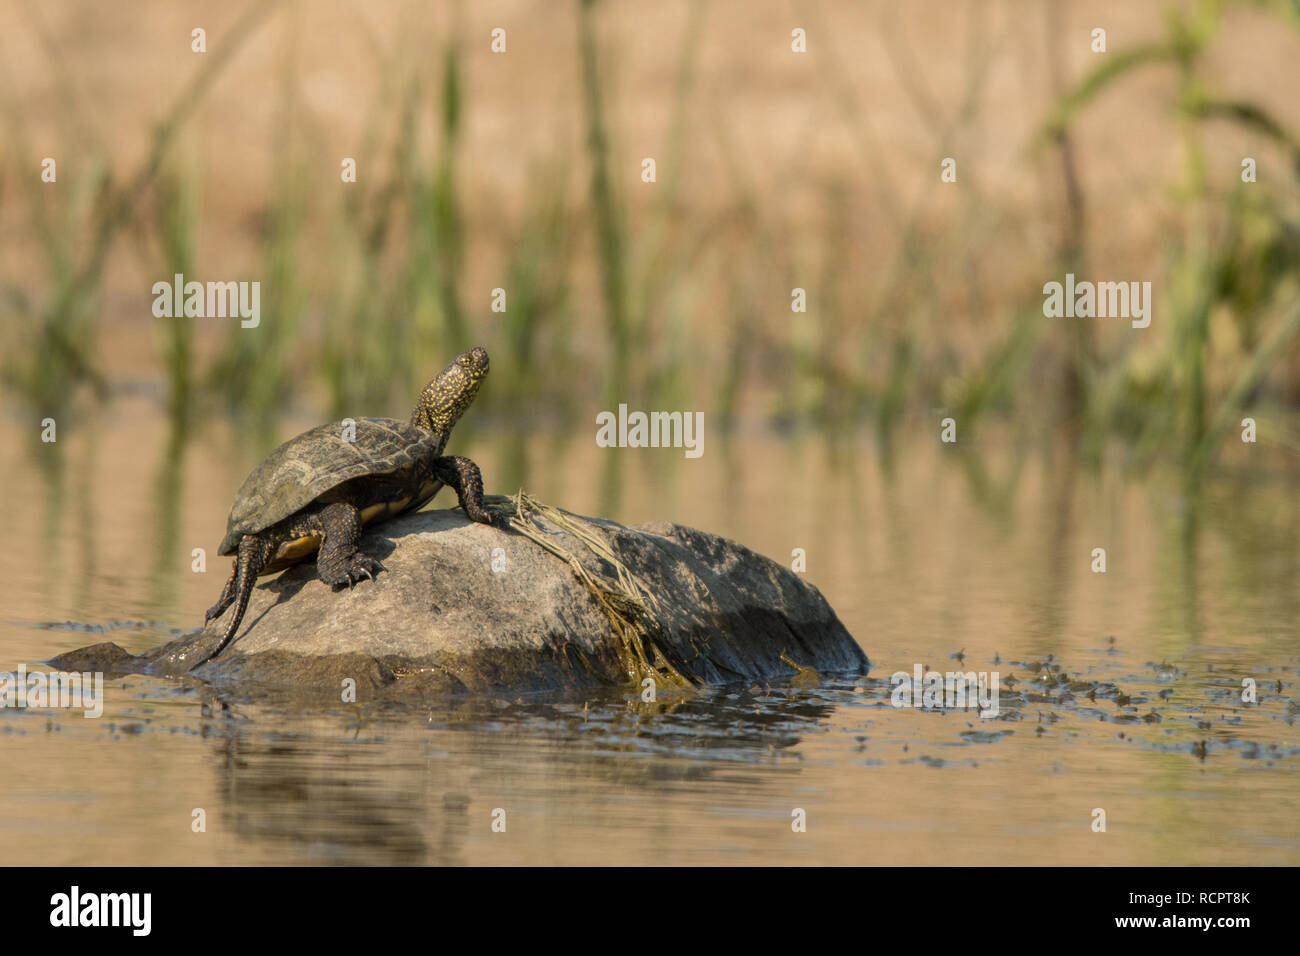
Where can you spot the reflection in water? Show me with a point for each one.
(1061, 551)
(382, 795)
(610, 495)
(718, 772)
(168, 554)
(48, 459)
(1122, 690)
(317, 800)
(1188, 590)
(68, 522)
(85, 526)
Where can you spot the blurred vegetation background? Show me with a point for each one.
(775, 170)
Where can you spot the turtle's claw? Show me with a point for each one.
(351, 572)
(212, 613)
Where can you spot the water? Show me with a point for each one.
(1124, 687)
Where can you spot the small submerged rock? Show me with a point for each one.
(467, 607)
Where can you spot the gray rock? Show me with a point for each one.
(451, 614)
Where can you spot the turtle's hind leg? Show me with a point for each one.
(339, 561)
(254, 552)
(227, 596)
(463, 475)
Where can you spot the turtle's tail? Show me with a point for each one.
(252, 558)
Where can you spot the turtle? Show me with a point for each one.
(314, 494)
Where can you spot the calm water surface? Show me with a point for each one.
(1124, 688)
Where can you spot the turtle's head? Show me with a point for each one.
(445, 398)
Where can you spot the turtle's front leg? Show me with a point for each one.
(339, 561)
(463, 475)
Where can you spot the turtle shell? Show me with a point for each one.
(306, 467)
